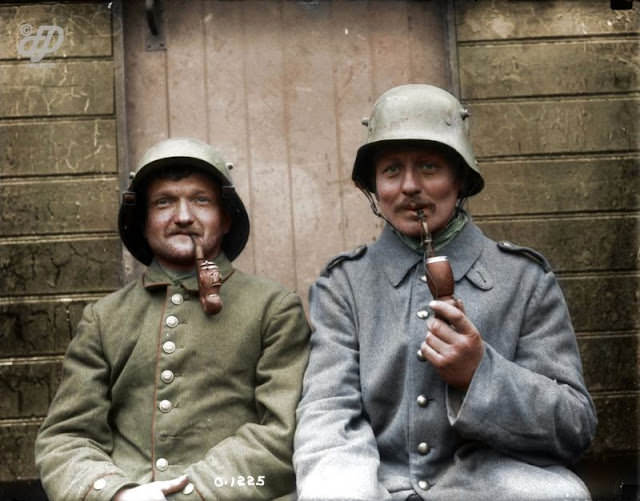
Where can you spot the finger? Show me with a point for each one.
(441, 330)
(454, 316)
(435, 342)
(173, 485)
(430, 354)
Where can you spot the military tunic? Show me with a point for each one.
(377, 422)
(153, 388)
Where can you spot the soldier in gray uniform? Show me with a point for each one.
(405, 397)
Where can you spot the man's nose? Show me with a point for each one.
(410, 184)
(184, 215)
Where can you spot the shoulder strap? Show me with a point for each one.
(351, 255)
(528, 252)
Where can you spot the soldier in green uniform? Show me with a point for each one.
(162, 398)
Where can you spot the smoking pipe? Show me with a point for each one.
(437, 268)
(209, 280)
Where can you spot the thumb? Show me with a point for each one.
(173, 485)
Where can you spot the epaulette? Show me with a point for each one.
(532, 254)
(356, 253)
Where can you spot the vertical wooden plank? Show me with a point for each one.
(353, 100)
(186, 68)
(388, 32)
(273, 236)
(428, 59)
(312, 132)
(226, 100)
(146, 90)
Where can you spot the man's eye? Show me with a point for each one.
(161, 202)
(203, 200)
(426, 166)
(391, 169)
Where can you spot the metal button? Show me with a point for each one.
(166, 376)
(162, 464)
(424, 278)
(172, 321)
(423, 447)
(423, 484)
(100, 484)
(423, 314)
(188, 489)
(422, 400)
(420, 356)
(177, 299)
(169, 347)
(165, 405)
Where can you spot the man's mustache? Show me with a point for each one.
(416, 205)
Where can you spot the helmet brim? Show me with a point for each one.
(363, 173)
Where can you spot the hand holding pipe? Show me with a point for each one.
(209, 280)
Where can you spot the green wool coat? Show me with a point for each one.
(153, 388)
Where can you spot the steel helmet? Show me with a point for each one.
(417, 112)
(184, 151)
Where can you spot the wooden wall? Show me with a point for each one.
(553, 92)
(280, 87)
(58, 202)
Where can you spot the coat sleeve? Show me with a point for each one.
(258, 454)
(73, 444)
(536, 406)
(336, 456)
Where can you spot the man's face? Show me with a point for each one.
(412, 178)
(177, 209)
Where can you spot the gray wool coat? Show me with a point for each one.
(376, 422)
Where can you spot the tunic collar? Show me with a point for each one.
(397, 259)
(155, 277)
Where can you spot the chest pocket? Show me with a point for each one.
(479, 276)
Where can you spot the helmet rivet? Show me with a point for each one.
(229, 165)
(365, 121)
(132, 174)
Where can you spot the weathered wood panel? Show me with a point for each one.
(87, 28)
(56, 88)
(28, 387)
(310, 124)
(57, 147)
(580, 67)
(146, 86)
(506, 19)
(611, 363)
(186, 67)
(47, 207)
(352, 67)
(38, 327)
(227, 106)
(17, 441)
(269, 188)
(59, 267)
(591, 243)
(558, 185)
(618, 417)
(390, 56)
(544, 127)
(603, 303)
